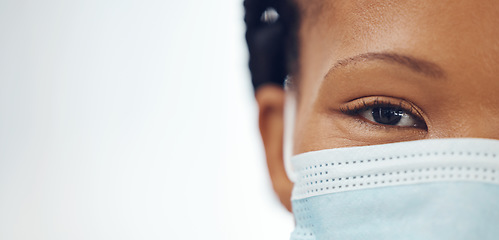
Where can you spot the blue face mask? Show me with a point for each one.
(428, 189)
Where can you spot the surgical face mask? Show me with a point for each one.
(427, 189)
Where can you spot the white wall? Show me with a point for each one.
(130, 120)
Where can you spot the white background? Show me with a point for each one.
(130, 120)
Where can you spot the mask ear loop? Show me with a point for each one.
(289, 124)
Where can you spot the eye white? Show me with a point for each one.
(406, 119)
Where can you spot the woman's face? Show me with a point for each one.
(374, 72)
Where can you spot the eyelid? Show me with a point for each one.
(355, 106)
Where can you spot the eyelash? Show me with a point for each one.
(354, 107)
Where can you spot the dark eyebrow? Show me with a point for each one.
(424, 67)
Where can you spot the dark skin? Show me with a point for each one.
(434, 63)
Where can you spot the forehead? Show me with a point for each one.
(461, 36)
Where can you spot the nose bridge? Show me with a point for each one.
(471, 124)
(483, 131)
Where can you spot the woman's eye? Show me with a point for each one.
(390, 116)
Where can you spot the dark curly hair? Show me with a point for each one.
(272, 38)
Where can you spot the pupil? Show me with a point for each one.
(387, 115)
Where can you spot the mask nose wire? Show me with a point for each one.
(289, 124)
